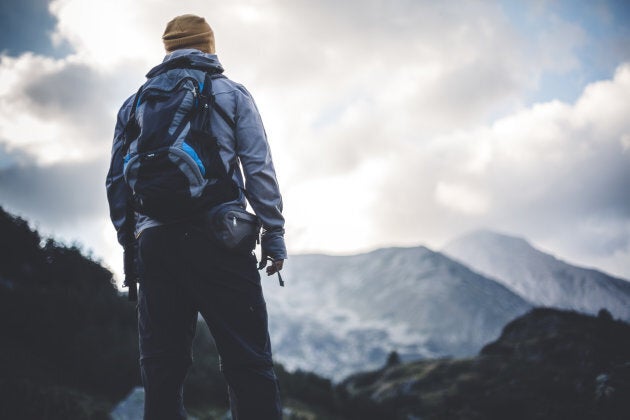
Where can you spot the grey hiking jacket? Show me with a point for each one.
(247, 142)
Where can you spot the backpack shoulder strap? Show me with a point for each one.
(207, 91)
(132, 129)
(209, 105)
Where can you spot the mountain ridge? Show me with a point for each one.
(377, 302)
(539, 277)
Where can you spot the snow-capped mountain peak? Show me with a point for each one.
(539, 277)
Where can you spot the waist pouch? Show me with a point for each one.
(232, 228)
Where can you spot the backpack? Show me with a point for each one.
(171, 159)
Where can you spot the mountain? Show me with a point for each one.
(343, 314)
(548, 364)
(539, 277)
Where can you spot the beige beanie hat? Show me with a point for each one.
(188, 31)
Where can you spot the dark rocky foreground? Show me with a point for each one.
(548, 364)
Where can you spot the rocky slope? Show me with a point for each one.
(548, 364)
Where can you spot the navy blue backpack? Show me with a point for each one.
(171, 158)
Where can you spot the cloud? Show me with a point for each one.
(27, 26)
(461, 198)
(60, 109)
(553, 172)
(55, 195)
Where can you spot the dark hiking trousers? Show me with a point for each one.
(182, 274)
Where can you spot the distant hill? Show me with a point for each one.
(539, 277)
(68, 339)
(547, 365)
(342, 314)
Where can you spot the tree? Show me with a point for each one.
(393, 359)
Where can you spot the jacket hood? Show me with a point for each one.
(188, 58)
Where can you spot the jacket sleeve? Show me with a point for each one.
(118, 193)
(263, 192)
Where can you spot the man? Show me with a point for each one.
(182, 273)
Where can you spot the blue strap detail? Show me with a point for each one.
(126, 160)
(191, 152)
(200, 92)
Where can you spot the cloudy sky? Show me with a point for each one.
(392, 122)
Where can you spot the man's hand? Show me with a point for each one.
(275, 267)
